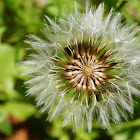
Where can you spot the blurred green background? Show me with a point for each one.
(19, 117)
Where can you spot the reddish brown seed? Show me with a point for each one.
(70, 58)
(78, 88)
(77, 54)
(73, 83)
(66, 66)
(83, 53)
(90, 88)
(96, 81)
(111, 64)
(86, 68)
(93, 86)
(84, 85)
(69, 77)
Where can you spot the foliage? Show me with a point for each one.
(19, 18)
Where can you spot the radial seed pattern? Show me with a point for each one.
(85, 70)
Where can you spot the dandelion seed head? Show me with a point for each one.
(88, 69)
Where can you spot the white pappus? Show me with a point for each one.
(86, 70)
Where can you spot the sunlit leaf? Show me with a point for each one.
(20, 110)
(7, 68)
(5, 125)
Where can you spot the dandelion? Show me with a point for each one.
(86, 70)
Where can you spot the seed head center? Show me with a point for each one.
(87, 70)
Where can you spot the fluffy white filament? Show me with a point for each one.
(92, 24)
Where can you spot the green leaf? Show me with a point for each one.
(136, 135)
(121, 5)
(21, 111)
(2, 30)
(110, 3)
(7, 68)
(5, 125)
